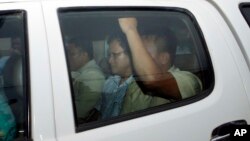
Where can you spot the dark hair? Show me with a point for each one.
(83, 45)
(165, 41)
(119, 36)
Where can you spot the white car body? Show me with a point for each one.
(227, 37)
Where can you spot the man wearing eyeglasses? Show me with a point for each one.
(122, 83)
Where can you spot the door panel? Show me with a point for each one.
(194, 121)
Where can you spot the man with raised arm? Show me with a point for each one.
(153, 56)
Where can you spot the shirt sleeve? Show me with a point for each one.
(188, 83)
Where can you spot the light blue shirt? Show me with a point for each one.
(112, 98)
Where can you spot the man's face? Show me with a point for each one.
(77, 58)
(119, 61)
(149, 44)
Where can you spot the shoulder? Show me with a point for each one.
(184, 76)
(188, 83)
(92, 72)
(134, 91)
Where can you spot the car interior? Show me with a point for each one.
(13, 83)
(96, 27)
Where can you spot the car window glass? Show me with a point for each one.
(128, 63)
(245, 10)
(13, 85)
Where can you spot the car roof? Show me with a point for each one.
(14, 1)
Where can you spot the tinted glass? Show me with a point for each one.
(132, 62)
(13, 86)
(245, 10)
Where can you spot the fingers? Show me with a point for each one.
(128, 24)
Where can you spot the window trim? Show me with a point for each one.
(149, 111)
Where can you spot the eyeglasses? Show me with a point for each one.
(115, 55)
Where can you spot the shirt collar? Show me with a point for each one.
(90, 63)
(173, 68)
(117, 79)
(75, 74)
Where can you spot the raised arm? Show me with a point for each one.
(143, 62)
(148, 71)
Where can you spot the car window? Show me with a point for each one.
(13, 77)
(124, 63)
(245, 10)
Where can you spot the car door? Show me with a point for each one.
(26, 80)
(239, 21)
(222, 100)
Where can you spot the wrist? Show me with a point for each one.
(131, 30)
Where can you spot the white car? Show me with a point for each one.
(38, 99)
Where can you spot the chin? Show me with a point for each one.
(113, 71)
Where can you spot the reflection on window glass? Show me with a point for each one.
(13, 123)
(124, 62)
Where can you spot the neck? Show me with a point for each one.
(124, 78)
(166, 67)
(85, 62)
